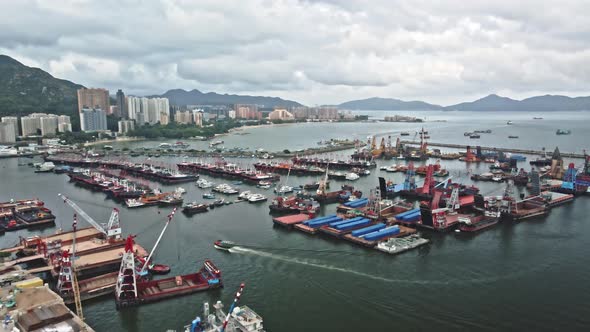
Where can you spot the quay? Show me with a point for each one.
(511, 150)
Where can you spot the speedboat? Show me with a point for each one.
(283, 189)
(209, 195)
(255, 198)
(223, 245)
(245, 195)
(45, 167)
(352, 176)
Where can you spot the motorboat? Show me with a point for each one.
(352, 176)
(134, 203)
(245, 195)
(255, 198)
(209, 195)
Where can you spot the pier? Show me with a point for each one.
(511, 150)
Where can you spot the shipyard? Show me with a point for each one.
(185, 166)
(390, 198)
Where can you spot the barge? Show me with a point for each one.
(132, 291)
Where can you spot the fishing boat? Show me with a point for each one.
(404, 133)
(203, 184)
(195, 207)
(512, 136)
(223, 245)
(472, 136)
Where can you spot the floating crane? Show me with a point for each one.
(67, 283)
(112, 229)
(156, 268)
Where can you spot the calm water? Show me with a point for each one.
(528, 276)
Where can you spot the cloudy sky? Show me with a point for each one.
(315, 52)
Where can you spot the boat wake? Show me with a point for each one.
(450, 281)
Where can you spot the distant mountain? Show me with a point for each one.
(387, 104)
(546, 103)
(196, 97)
(24, 90)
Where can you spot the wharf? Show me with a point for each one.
(511, 150)
(40, 309)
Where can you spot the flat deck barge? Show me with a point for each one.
(291, 220)
(404, 231)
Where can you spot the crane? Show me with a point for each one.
(112, 230)
(147, 260)
(67, 283)
(231, 309)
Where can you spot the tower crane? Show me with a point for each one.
(112, 229)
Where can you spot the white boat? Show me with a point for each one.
(203, 184)
(133, 203)
(45, 167)
(383, 168)
(165, 145)
(245, 195)
(180, 191)
(255, 198)
(8, 152)
(284, 190)
(392, 169)
(398, 245)
(352, 176)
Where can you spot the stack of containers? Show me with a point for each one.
(354, 224)
(380, 234)
(409, 216)
(363, 231)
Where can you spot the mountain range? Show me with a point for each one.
(196, 97)
(24, 90)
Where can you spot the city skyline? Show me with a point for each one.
(330, 52)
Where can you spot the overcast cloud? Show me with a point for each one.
(315, 52)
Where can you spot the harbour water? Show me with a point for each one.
(528, 276)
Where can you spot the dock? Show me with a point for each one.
(490, 148)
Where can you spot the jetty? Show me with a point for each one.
(511, 150)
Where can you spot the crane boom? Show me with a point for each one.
(113, 229)
(145, 264)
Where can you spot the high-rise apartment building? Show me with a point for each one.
(126, 126)
(94, 119)
(122, 105)
(92, 98)
(247, 112)
(64, 124)
(13, 120)
(48, 125)
(7, 133)
(198, 117)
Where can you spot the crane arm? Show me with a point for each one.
(83, 214)
(146, 263)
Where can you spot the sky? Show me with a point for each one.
(314, 52)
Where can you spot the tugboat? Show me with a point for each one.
(223, 245)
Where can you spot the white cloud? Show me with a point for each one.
(310, 51)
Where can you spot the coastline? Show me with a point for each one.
(116, 140)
